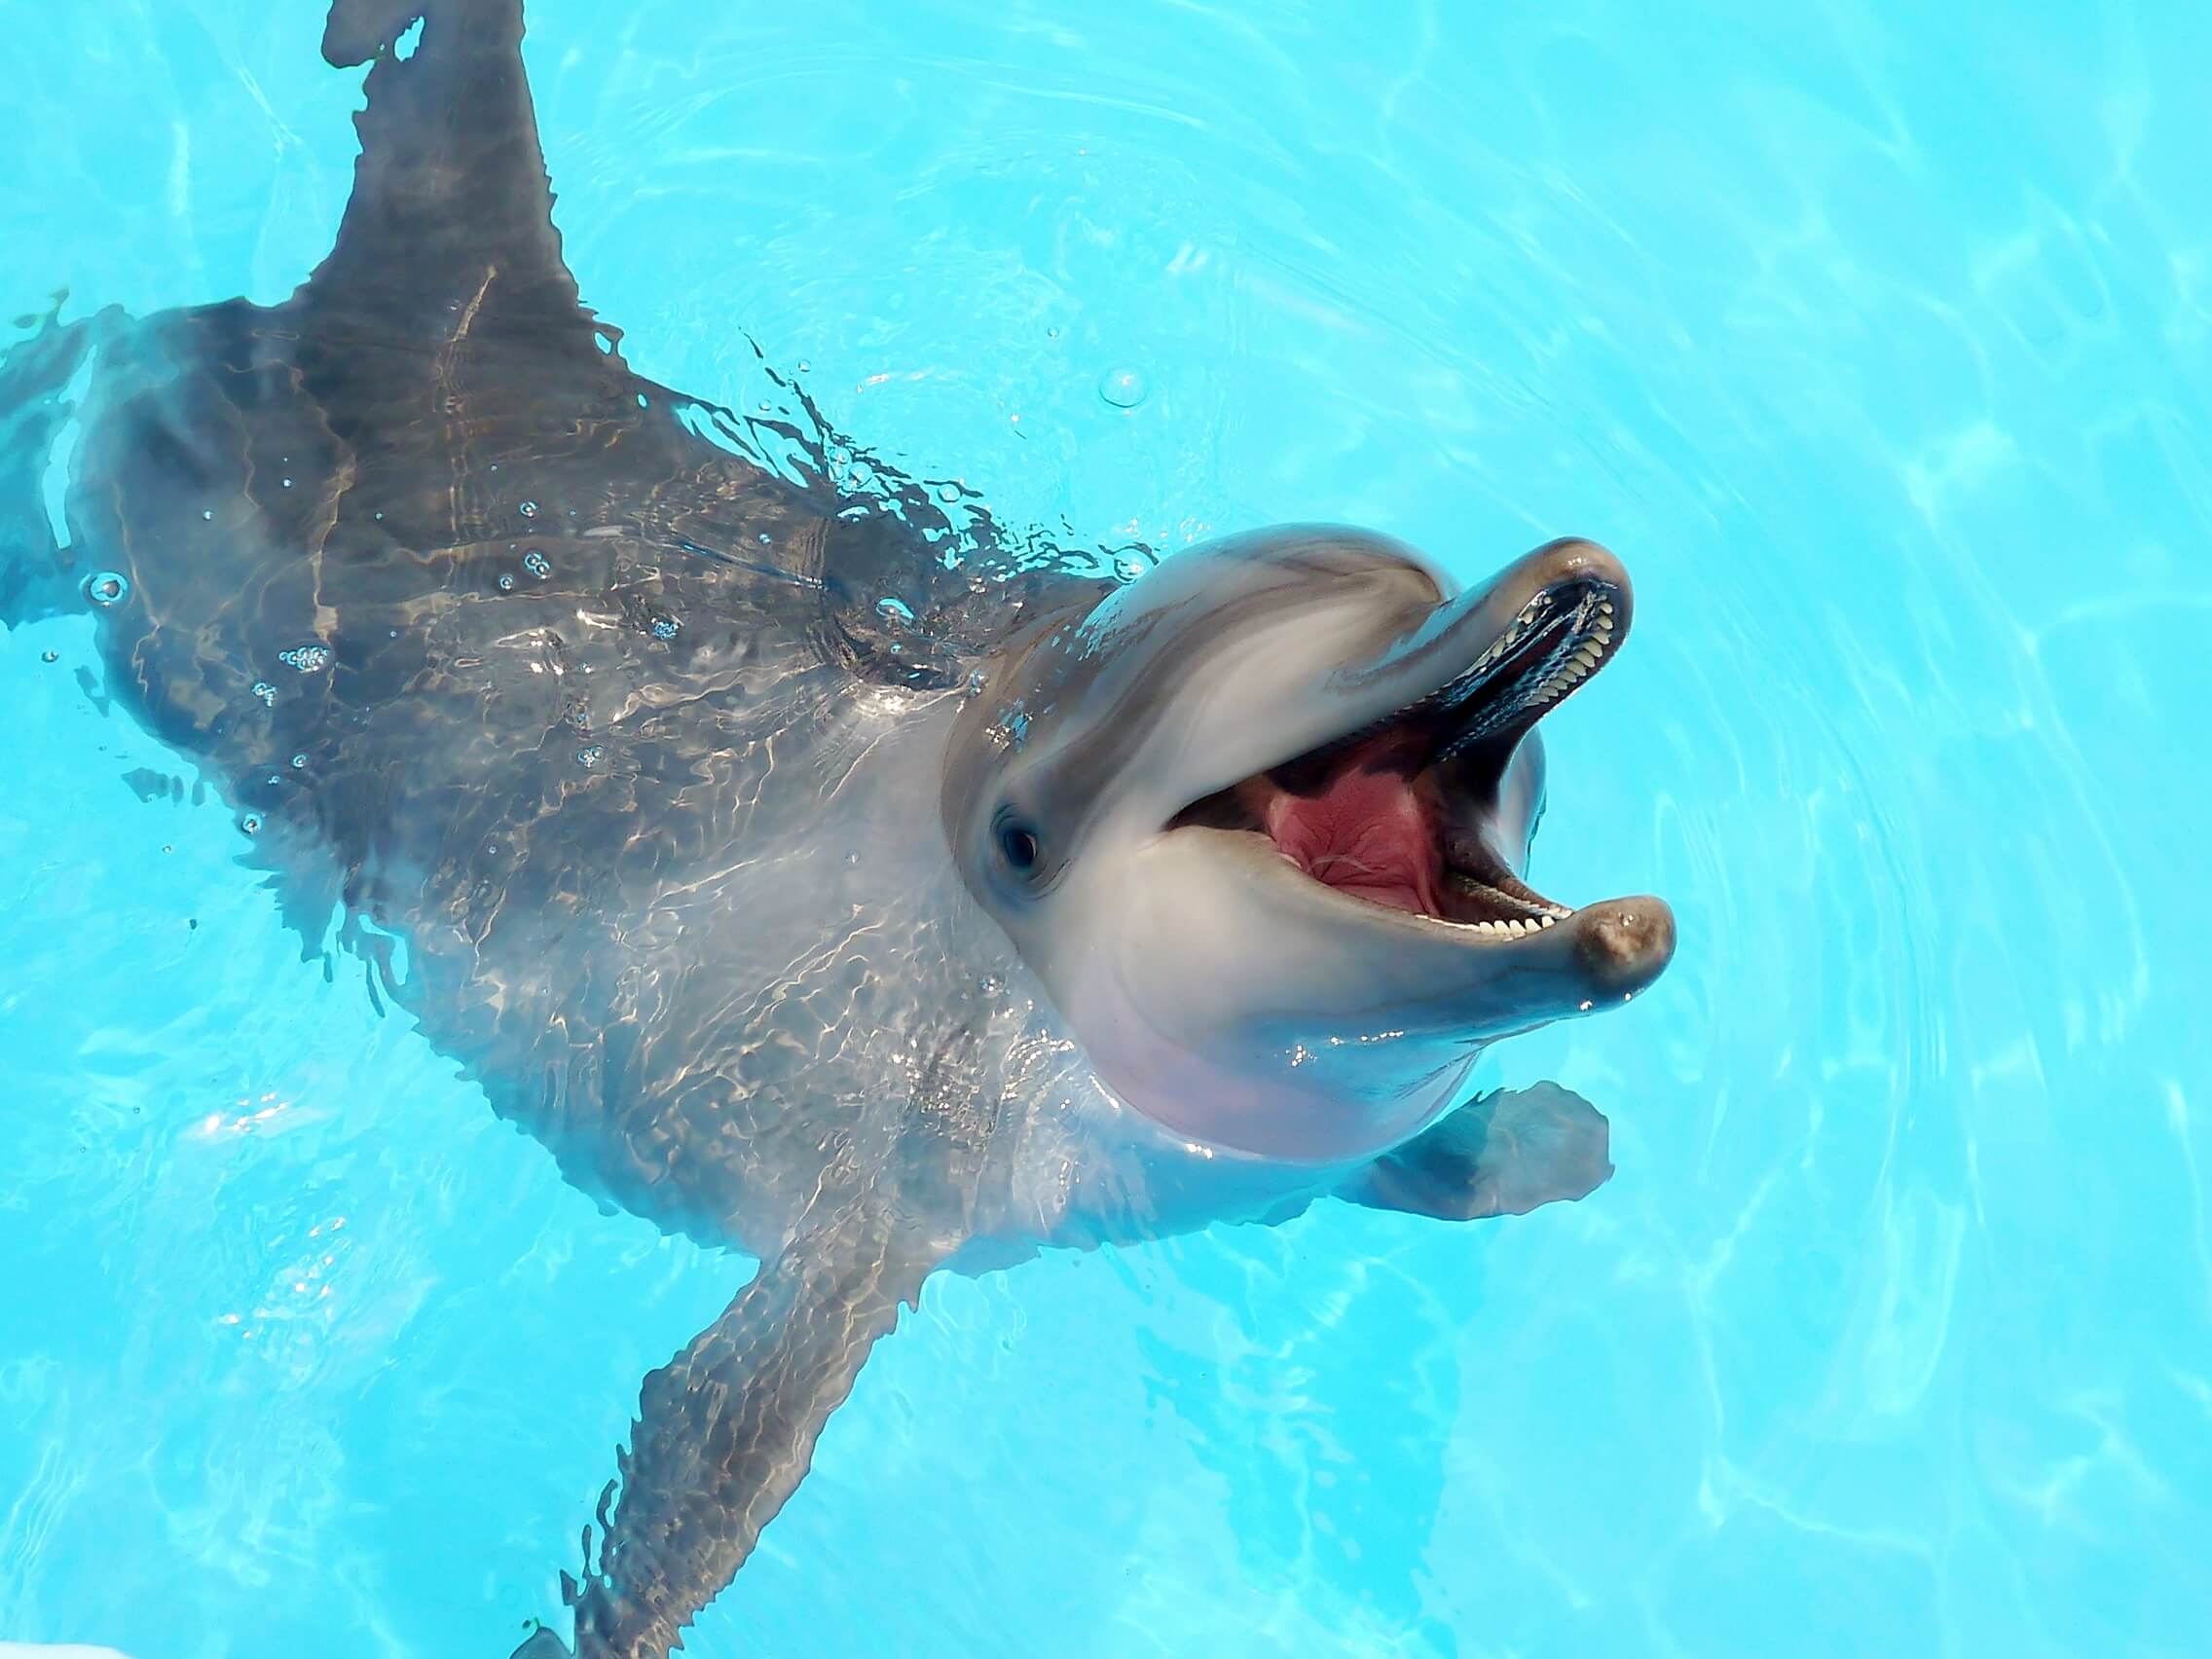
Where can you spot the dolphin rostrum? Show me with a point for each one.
(811, 874)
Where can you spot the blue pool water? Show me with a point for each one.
(1876, 338)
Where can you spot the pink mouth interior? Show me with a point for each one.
(1370, 832)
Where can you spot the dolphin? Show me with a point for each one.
(869, 894)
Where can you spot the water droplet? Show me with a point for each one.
(1129, 567)
(764, 406)
(506, 582)
(1123, 388)
(590, 756)
(108, 587)
(251, 824)
(50, 656)
(529, 509)
(265, 691)
(665, 627)
(948, 492)
(299, 763)
(537, 564)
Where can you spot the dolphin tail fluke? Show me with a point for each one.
(38, 573)
(1505, 1154)
(726, 1429)
(449, 231)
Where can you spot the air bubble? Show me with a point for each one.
(537, 564)
(590, 756)
(1129, 567)
(108, 587)
(948, 492)
(894, 610)
(265, 691)
(506, 582)
(305, 659)
(251, 824)
(1053, 332)
(1123, 388)
(50, 656)
(299, 763)
(805, 365)
(287, 483)
(992, 984)
(527, 509)
(207, 513)
(665, 627)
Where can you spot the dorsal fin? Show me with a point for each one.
(450, 225)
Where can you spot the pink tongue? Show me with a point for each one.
(1365, 833)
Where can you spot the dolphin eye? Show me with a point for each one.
(1017, 845)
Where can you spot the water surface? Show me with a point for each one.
(1877, 341)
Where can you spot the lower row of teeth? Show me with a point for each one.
(1517, 927)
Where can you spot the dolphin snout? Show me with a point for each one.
(1626, 944)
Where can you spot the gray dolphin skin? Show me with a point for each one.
(812, 876)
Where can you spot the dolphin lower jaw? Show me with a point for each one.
(1245, 1008)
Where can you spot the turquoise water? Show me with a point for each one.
(1877, 343)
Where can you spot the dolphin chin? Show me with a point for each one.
(1295, 909)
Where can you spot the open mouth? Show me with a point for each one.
(1400, 812)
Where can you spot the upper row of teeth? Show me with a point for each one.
(1583, 661)
(1506, 641)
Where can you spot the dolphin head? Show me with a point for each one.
(1259, 823)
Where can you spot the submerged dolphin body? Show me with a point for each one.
(803, 886)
